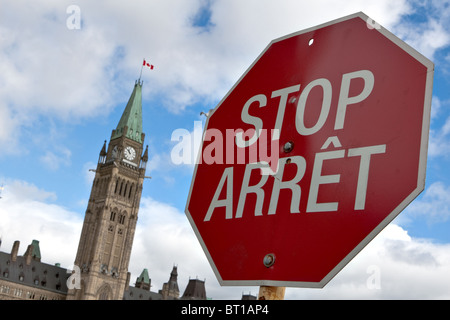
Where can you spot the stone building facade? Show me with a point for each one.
(27, 278)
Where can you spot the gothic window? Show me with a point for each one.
(131, 189)
(122, 218)
(104, 293)
(117, 184)
(121, 186)
(113, 216)
(125, 191)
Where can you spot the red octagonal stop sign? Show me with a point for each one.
(318, 146)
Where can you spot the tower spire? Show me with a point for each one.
(130, 124)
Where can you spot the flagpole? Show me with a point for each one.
(144, 63)
(142, 66)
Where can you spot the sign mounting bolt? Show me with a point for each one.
(288, 146)
(269, 260)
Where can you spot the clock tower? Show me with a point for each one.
(110, 221)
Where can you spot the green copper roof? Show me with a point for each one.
(36, 250)
(132, 116)
(144, 278)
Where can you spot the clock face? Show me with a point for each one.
(130, 153)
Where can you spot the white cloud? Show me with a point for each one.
(48, 69)
(436, 105)
(9, 127)
(164, 238)
(434, 205)
(72, 72)
(17, 191)
(53, 160)
(430, 34)
(88, 172)
(27, 213)
(393, 266)
(426, 38)
(52, 70)
(439, 140)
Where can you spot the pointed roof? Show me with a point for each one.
(131, 117)
(195, 290)
(173, 281)
(144, 157)
(174, 273)
(36, 253)
(103, 151)
(143, 278)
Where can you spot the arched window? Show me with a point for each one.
(113, 214)
(125, 191)
(131, 189)
(104, 293)
(117, 184)
(122, 217)
(121, 187)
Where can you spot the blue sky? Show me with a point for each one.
(63, 90)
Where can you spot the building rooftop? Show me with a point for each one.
(133, 293)
(195, 290)
(30, 271)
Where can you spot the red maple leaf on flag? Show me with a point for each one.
(146, 64)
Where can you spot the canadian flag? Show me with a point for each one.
(146, 64)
